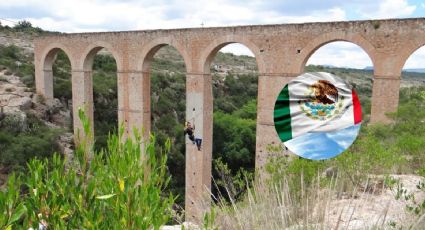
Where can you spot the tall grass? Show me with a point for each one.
(276, 206)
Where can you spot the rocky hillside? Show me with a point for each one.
(17, 98)
(26, 116)
(19, 39)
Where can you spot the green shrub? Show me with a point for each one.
(368, 155)
(23, 137)
(12, 209)
(298, 173)
(13, 59)
(230, 186)
(11, 52)
(234, 140)
(120, 187)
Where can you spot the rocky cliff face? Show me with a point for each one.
(15, 97)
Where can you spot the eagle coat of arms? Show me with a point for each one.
(323, 101)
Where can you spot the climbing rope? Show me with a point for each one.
(193, 118)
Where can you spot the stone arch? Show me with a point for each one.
(150, 49)
(324, 39)
(143, 65)
(143, 78)
(405, 54)
(208, 54)
(44, 71)
(88, 54)
(206, 57)
(49, 54)
(83, 83)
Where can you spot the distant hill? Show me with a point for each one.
(414, 70)
(418, 70)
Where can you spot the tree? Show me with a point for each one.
(24, 24)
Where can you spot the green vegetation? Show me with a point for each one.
(14, 60)
(62, 77)
(104, 92)
(239, 152)
(229, 59)
(23, 26)
(118, 187)
(168, 105)
(233, 92)
(24, 137)
(105, 97)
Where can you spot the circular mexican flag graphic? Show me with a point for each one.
(317, 115)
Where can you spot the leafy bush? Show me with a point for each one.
(368, 155)
(62, 76)
(16, 62)
(24, 24)
(120, 187)
(10, 52)
(234, 140)
(234, 91)
(23, 137)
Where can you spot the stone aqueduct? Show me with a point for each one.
(281, 52)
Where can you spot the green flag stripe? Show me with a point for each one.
(282, 115)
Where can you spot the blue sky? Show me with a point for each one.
(114, 15)
(319, 146)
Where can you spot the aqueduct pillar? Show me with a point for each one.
(199, 106)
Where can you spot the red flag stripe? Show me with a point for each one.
(357, 108)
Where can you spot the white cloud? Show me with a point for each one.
(7, 22)
(334, 14)
(80, 15)
(307, 143)
(344, 138)
(113, 15)
(323, 145)
(314, 146)
(340, 54)
(416, 60)
(389, 9)
(57, 25)
(237, 49)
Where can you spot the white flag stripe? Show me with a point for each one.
(299, 91)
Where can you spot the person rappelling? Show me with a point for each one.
(189, 130)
